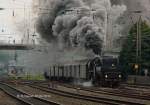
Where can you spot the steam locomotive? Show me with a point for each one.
(102, 71)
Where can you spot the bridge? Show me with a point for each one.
(15, 47)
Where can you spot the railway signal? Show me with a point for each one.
(136, 66)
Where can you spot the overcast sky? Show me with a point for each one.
(9, 19)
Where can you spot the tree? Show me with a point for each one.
(128, 52)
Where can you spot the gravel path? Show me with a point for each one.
(7, 100)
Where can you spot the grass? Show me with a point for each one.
(29, 77)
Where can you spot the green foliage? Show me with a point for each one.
(34, 77)
(128, 53)
(28, 77)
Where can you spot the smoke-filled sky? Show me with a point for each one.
(9, 24)
(73, 28)
(81, 23)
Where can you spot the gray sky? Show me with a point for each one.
(8, 22)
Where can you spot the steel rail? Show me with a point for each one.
(83, 97)
(118, 93)
(27, 100)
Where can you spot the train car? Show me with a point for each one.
(66, 72)
(100, 70)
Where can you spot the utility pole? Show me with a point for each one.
(138, 47)
(137, 65)
(140, 44)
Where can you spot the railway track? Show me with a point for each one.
(84, 97)
(136, 86)
(124, 92)
(13, 92)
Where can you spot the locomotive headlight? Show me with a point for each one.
(120, 76)
(106, 76)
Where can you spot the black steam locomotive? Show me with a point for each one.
(103, 71)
